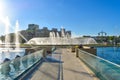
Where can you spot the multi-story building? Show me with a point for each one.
(34, 31)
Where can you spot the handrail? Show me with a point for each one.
(103, 69)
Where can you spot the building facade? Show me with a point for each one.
(33, 31)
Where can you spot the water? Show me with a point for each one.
(7, 37)
(11, 54)
(10, 70)
(109, 53)
(8, 52)
(52, 35)
(60, 41)
(17, 44)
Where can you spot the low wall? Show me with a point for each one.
(31, 50)
(47, 50)
(90, 50)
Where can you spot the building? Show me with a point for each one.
(33, 31)
(33, 27)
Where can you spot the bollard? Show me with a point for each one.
(44, 53)
(76, 50)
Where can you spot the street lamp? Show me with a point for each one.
(102, 33)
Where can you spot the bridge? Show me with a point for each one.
(61, 64)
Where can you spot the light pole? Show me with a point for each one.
(102, 34)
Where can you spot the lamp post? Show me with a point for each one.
(102, 34)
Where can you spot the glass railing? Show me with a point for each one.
(10, 70)
(53, 48)
(104, 69)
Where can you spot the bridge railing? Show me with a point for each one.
(104, 69)
(10, 70)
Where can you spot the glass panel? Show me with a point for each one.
(104, 69)
(10, 70)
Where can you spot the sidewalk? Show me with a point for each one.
(49, 70)
(72, 68)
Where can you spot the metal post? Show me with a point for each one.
(44, 53)
(76, 50)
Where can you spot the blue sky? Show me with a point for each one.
(82, 17)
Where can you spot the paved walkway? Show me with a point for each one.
(49, 70)
(72, 68)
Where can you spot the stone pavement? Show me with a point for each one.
(49, 70)
(63, 65)
(74, 68)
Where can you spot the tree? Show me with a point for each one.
(2, 38)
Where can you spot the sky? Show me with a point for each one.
(82, 17)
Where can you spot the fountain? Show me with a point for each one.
(62, 38)
(7, 51)
(58, 36)
(62, 32)
(50, 35)
(7, 38)
(53, 34)
(17, 44)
